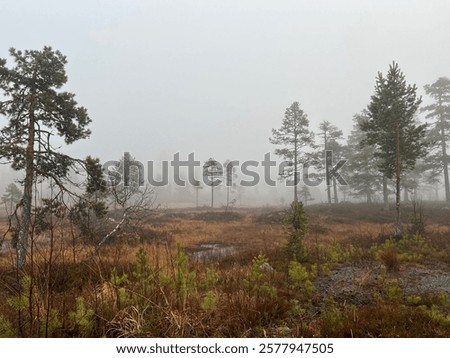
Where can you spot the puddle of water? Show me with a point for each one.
(213, 252)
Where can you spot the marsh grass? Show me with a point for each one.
(149, 286)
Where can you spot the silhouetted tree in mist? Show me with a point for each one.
(439, 132)
(294, 136)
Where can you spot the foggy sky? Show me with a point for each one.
(214, 77)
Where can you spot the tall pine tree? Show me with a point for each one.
(439, 132)
(392, 128)
(37, 111)
(294, 136)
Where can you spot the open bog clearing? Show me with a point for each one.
(202, 273)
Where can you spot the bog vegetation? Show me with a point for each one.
(333, 272)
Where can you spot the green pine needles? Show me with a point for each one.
(296, 227)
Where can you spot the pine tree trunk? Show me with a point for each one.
(444, 150)
(25, 222)
(445, 165)
(398, 224)
(327, 174)
(295, 171)
(336, 199)
(385, 194)
(212, 194)
(327, 170)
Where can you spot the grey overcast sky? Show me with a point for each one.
(214, 77)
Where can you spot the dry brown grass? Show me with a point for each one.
(242, 310)
(390, 259)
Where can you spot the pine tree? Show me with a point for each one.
(212, 172)
(332, 136)
(197, 186)
(296, 227)
(361, 169)
(37, 112)
(91, 206)
(230, 181)
(392, 128)
(12, 196)
(294, 135)
(439, 133)
(305, 195)
(130, 181)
